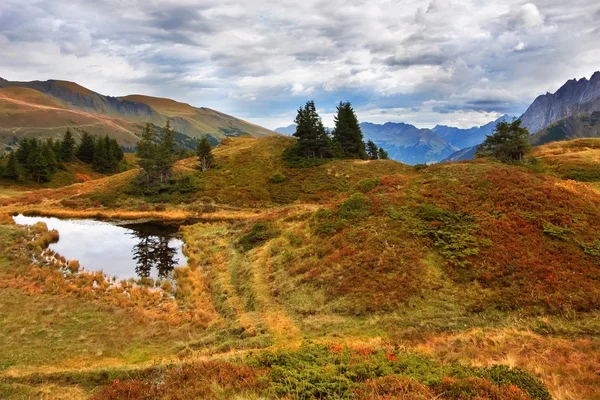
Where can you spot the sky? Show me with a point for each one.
(461, 63)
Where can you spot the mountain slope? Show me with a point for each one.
(27, 112)
(75, 106)
(286, 130)
(583, 125)
(575, 96)
(407, 143)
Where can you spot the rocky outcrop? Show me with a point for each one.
(575, 96)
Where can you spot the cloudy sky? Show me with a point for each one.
(460, 62)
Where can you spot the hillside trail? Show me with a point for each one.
(284, 330)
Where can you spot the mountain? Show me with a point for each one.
(468, 153)
(574, 97)
(463, 138)
(583, 125)
(47, 108)
(407, 143)
(286, 130)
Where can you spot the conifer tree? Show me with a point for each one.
(382, 154)
(100, 162)
(372, 150)
(38, 166)
(508, 143)
(347, 132)
(313, 139)
(166, 153)
(48, 152)
(13, 169)
(26, 146)
(67, 147)
(146, 152)
(85, 150)
(205, 156)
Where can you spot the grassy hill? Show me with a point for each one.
(47, 108)
(364, 279)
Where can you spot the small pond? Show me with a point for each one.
(138, 250)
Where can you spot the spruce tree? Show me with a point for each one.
(146, 152)
(12, 170)
(382, 154)
(26, 146)
(347, 132)
(372, 150)
(48, 152)
(67, 147)
(508, 143)
(313, 139)
(38, 166)
(100, 162)
(85, 150)
(204, 152)
(166, 153)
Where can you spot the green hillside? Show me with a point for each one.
(351, 279)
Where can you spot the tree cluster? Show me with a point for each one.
(345, 141)
(38, 159)
(157, 159)
(508, 143)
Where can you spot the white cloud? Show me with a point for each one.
(259, 59)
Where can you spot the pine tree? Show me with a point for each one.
(67, 147)
(347, 132)
(48, 152)
(146, 152)
(382, 154)
(313, 139)
(372, 150)
(13, 169)
(26, 146)
(38, 166)
(100, 162)
(85, 151)
(204, 152)
(166, 153)
(508, 143)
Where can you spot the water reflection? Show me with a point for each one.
(154, 250)
(124, 251)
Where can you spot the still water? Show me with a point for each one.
(125, 251)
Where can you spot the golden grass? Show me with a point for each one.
(569, 367)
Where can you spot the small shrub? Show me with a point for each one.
(502, 375)
(366, 185)
(556, 231)
(277, 177)
(354, 207)
(259, 234)
(420, 167)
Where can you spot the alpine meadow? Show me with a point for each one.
(405, 206)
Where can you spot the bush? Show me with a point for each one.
(556, 231)
(260, 233)
(502, 375)
(277, 177)
(355, 207)
(366, 185)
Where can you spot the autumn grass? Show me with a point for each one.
(463, 263)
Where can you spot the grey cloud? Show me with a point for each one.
(221, 53)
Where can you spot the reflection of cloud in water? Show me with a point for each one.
(102, 246)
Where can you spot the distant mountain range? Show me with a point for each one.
(573, 111)
(48, 108)
(411, 145)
